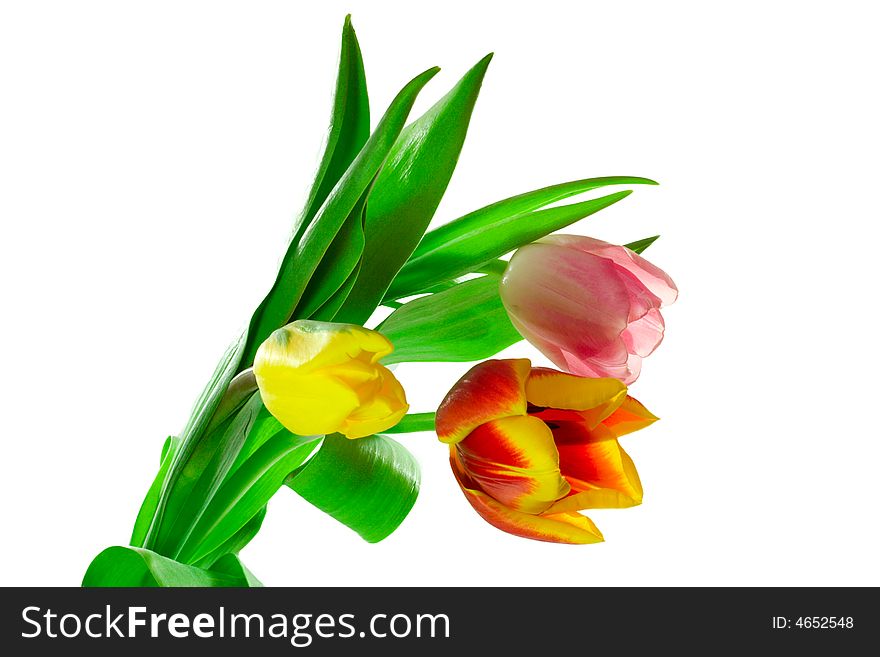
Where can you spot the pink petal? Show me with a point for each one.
(651, 276)
(644, 335)
(614, 362)
(561, 297)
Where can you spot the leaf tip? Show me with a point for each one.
(640, 245)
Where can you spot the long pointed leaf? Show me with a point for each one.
(151, 501)
(446, 251)
(349, 126)
(328, 311)
(304, 254)
(409, 189)
(349, 129)
(341, 259)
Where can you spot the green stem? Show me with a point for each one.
(412, 423)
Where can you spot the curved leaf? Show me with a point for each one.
(136, 567)
(230, 564)
(369, 484)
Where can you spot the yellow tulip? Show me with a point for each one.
(321, 378)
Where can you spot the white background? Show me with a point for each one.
(152, 156)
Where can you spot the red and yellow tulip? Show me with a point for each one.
(530, 447)
(321, 378)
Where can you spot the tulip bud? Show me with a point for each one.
(321, 378)
(591, 307)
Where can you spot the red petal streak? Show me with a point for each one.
(564, 527)
(593, 459)
(515, 461)
(490, 390)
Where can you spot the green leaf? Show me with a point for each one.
(264, 428)
(209, 444)
(493, 267)
(414, 422)
(136, 567)
(327, 312)
(246, 491)
(497, 267)
(230, 564)
(640, 245)
(202, 475)
(305, 254)
(349, 126)
(151, 501)
(235, 544)
(341, 259)
(369, 484)
(409, 189)
(199, 420)
(464, 323)
(470, 241)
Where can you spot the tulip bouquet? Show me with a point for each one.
(304, 399)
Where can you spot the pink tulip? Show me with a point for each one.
(591, 307)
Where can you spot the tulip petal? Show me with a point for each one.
(309, 406)
(564, 527)
(320, 378)
(514, 460)
(651, 276)
(601, 474)
(645, 334)
(563, 297)
(490, 390)
(630, 416)
(306, 345)
(596, 399)
(584, 498)
(384, 408)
